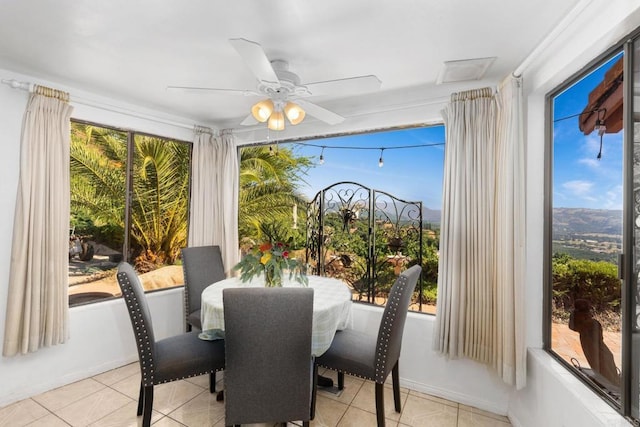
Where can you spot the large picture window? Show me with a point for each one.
(361, 207)
(587, 227)
(588, 213)
(129, 201)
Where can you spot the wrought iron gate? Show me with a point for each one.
(364, 237)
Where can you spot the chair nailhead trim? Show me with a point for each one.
(145, 346)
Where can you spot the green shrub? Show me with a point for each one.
(595, 281)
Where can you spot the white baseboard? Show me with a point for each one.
(465, 399)
(35, 388)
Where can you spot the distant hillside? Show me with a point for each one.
(567, 221)
(431, 215)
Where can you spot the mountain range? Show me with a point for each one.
(568, 221)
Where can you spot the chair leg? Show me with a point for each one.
(305, 424)
(140, 399)
(148, 405)
(340, 380)
(395, 376)
(212, 382)
(380, 404)
(314, 390)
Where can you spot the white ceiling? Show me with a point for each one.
(131, 50)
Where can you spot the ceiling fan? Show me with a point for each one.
(282, 91)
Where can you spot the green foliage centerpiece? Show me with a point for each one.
(271, 260)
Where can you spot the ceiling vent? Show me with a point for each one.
(464, 70)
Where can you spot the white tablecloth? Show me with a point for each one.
(331, 307)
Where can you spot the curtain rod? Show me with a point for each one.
(568, 19)
(30, 87)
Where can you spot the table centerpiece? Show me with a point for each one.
(271, 260)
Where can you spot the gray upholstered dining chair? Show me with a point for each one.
(202, 266)
(173, 358)
(268, 355)
(370, 356)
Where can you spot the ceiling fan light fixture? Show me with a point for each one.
(276, 121)
(294, 113)
(262, 110)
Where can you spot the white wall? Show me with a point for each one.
(422, 369)
(553, 397)
(101, 336)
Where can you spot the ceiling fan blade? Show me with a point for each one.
(213, 89)
(256, 60)
(346, 86)
(249, 121)
(320, 113)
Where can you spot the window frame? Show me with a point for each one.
(130, 145)
(625, 259)
(302, 140)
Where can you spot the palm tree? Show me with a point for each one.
(160, 188)
(269, 182)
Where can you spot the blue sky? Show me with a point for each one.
(415, 174)
(412, 174)
(581, 180)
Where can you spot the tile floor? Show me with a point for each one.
(110, 399)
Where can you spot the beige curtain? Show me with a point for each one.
(510, 215)
(214, 194)
(37, 303)
(479, 314)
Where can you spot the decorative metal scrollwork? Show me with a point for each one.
(360, 235)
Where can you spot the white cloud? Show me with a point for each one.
(578, 187)
(614, 198)
(591, 162)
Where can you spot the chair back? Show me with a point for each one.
(136, 301)
(269, 365)
(202, 266)
(393, 319)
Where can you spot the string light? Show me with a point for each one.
(600, 128)
(346, 147)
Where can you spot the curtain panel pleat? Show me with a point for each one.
(214, 195)
(482, 233)
(37, 302)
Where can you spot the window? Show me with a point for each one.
(360, 207)
(129, 201)
(592, 228)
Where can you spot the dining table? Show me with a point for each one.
(331, 307)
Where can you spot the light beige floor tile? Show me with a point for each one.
(60, 397)
(328, 412)
(113, 376)
(129, 386)
(484, 413)
(419, 412)
(203, 410)
(203, 381)
(434, 398)
(168, 422)
(168, 397)
(21, 413)
(93, 407)
(125, 417)
(355, 417)
(50, 420)
(351, 387)
(366, 400)
(471, 419)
